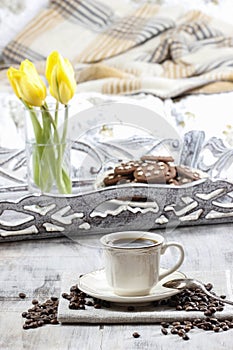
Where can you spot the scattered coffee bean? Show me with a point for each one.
(165, 324)
(54, 298)
(197, 300)
(22, 295)
(46, 312)
(209, 286)
(65, 295)
(185, 337)
(41, 313)
(136, 335)
(216, 329)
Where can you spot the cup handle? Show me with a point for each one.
(178, 263)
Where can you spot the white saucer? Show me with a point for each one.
(95, 284)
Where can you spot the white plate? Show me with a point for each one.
(95, 284)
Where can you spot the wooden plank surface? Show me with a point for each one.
(35, 267)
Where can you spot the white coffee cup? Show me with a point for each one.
(132, 261)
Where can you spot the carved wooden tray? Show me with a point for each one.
(90, 210)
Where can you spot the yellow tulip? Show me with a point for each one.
(12, 76)
(60, 75)
(27, 84)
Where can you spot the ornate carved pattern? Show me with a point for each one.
(102, 210)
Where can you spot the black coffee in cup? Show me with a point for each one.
(133, 243)
(132, 261)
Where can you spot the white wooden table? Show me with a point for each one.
(35, 267)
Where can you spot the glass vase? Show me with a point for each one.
(48, 150)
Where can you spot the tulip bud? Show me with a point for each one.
(12, 76)
(60, 76)
(27, 84)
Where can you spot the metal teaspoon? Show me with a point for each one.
(192, 284)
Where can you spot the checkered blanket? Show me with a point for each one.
(119, 47)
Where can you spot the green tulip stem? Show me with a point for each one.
(35, 123)
(56, 112)
(37, 151)
(48, 152)
(56, 155)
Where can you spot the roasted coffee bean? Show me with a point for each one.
(174, 330)
(164, 331)
(216, 329)
(219, 308)
(187, 328)
(74, 299)
(74, 288)
(73, 306)
(97, 306)
(46, 319)
(213, 320)
(54, 321)
(165, 324)
(136, 335)
(190, 308)
(54, 298)
(208, 313)
(22, 295)
(40, 314)
(28, 321)
(203, 309)
(179, 327)
(179, 307)
(185, 337)
(181, 332)
(65, 295)
(209, 286)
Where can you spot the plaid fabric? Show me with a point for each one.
(118, 48)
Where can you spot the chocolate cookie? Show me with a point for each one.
(171, 173)
(186, 172)
(150, 174)
(165, 159)
(126, 168)
(114, 179)
(151, 169)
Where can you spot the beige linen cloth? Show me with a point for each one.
(143, 314)
(118, 47)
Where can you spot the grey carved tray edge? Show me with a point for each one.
(206, 201)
